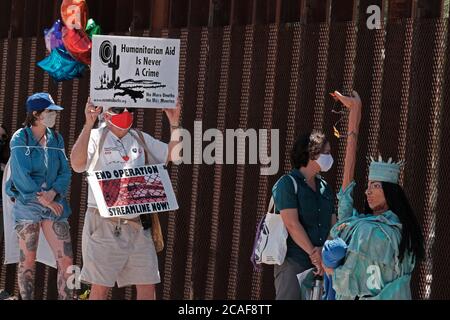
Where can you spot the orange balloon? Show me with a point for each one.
(74, 13)
(78, 44)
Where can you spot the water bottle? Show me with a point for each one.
(317, 289)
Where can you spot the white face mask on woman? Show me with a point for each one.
(48, 119)
(325, 162)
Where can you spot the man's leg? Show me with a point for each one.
(141, 268)
(287, 286)
(102, 259)
(145, 292)
(99, 292)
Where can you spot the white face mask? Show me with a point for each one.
(48, 119)
(325, 161)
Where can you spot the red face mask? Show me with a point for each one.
(122, 121)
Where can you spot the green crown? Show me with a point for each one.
(384, 171)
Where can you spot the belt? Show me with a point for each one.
(134, 222)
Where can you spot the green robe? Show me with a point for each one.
(372, 270)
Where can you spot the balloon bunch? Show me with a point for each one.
(69, 42)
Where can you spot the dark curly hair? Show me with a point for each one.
(307, 147)
(30, 119)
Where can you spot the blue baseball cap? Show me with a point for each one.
(41, 101)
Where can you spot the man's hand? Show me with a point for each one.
(46, 197)
(316, 255)
(79, 152)
(316, 260)
(174, 114)
(91, 112)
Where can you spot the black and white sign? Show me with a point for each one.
(134, 72)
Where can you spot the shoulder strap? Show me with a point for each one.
(94, 160)
(294, 182)
(271, 208)
(139, 136)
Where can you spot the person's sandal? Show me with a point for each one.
(4, 295)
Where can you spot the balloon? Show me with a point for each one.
(78, 44)
(74, 13)
(92, 28)
(61, 66)
(53, 36)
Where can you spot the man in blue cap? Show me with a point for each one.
(39, 181)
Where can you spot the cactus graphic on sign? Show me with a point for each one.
(114, 65)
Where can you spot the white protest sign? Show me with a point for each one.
(134, 72)
(130, 191)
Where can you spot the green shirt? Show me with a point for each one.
(371, 269)
(314, 210)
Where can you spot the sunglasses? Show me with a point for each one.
(119, 110)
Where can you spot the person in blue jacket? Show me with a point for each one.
(386, 242)
(39, 181)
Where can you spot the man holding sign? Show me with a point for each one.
(127, 177)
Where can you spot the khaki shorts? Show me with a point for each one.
(128, 259)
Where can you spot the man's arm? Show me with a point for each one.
(174, 119)
(300, 237)
(79, 154)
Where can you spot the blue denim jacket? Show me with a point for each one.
(35, 169)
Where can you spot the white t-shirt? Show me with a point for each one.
(123, 153)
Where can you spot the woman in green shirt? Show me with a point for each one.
(307, 213)
(385, 243)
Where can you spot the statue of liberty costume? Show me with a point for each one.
(371, 269)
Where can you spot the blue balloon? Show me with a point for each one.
(333, 252)
(53, 36)
(61, 66)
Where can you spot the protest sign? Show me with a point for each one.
(130, 191)
(134, 72)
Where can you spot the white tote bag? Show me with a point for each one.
(270, 245)
(44, 253)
